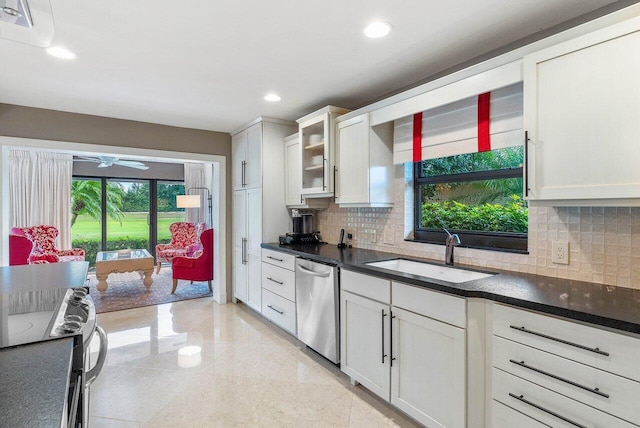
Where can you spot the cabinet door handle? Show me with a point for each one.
(554, 414)
(391, 336)
(273, 280)
(564, 342)
(324, 185)
(335, 184)
(274, 309)
(383, 354)
(526, 163)
(244, 173)
(561, 379)
(244, 251)
(275, 258)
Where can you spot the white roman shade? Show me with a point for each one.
(452, 129)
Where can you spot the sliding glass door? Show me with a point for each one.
(131, 228)
(86, 216)
(114, 214)
(167, 212)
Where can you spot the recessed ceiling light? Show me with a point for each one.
(60, 52)
(272, 98)
(377, 29)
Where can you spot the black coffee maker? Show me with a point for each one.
(303, 230)
(303, 223)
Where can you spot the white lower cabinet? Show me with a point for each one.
(277, 285)
(279, 310)
(562, 373)
(365, 357)
(505, 416)
(428, 371)
(254, 281)
(416, 362)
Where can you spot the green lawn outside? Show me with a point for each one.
(134, 225)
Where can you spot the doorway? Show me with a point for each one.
(219, 164)
(114, 214)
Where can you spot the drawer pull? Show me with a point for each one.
(561, 379)
(275, 258)
(273, 280)
(554, 414)
(555, 339)
(274, 309)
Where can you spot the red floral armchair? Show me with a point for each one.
(196, 268)
(185, 241)
(44, 248)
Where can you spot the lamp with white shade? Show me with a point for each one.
(191, 200)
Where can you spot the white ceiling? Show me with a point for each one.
(208, 64)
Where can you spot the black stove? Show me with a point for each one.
(39, 315)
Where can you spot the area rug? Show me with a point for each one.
(126, 291)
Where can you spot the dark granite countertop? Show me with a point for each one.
(604, 305)
(34, 383)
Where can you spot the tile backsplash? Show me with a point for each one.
(604, 243)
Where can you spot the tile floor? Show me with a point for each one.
(251, 374)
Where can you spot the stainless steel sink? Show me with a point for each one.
(444, 273)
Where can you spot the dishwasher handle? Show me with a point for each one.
(314, 273)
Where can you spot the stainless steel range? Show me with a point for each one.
(30, 316)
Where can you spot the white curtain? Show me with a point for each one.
(41, 191)
(198, 175)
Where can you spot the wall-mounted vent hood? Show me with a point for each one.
(30, 23)
(15, 12)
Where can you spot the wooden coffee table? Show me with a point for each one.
(123, 261)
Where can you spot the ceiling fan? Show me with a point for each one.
(107, 161)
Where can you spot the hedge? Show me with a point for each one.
(511, 217)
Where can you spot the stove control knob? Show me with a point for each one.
(73, 317)
(80, 291)
(69, 327)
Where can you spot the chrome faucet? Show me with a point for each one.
(450, 242)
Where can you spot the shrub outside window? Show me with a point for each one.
(476, 195)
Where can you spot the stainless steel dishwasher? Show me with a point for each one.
(317, 300)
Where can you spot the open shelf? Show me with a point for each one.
(316, 146)
(313, 168)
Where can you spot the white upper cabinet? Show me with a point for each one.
(364, 165)
(293, 177)
(246, 152)
(317, 135)
(238, 153)
(582, 115)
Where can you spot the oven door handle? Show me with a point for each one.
(102, 356)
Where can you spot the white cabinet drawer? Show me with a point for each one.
(279, 280)
(569, 339)
(504, 416)
(605, 391)
(547, 406)
(277, 258)
(279, 310)
(378, 289)
(439, 306)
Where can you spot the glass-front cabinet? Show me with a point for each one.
(317, 135)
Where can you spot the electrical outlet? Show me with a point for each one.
(560, 252)
(373, 236)
(388, 237)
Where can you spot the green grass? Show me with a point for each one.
(134, 225)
